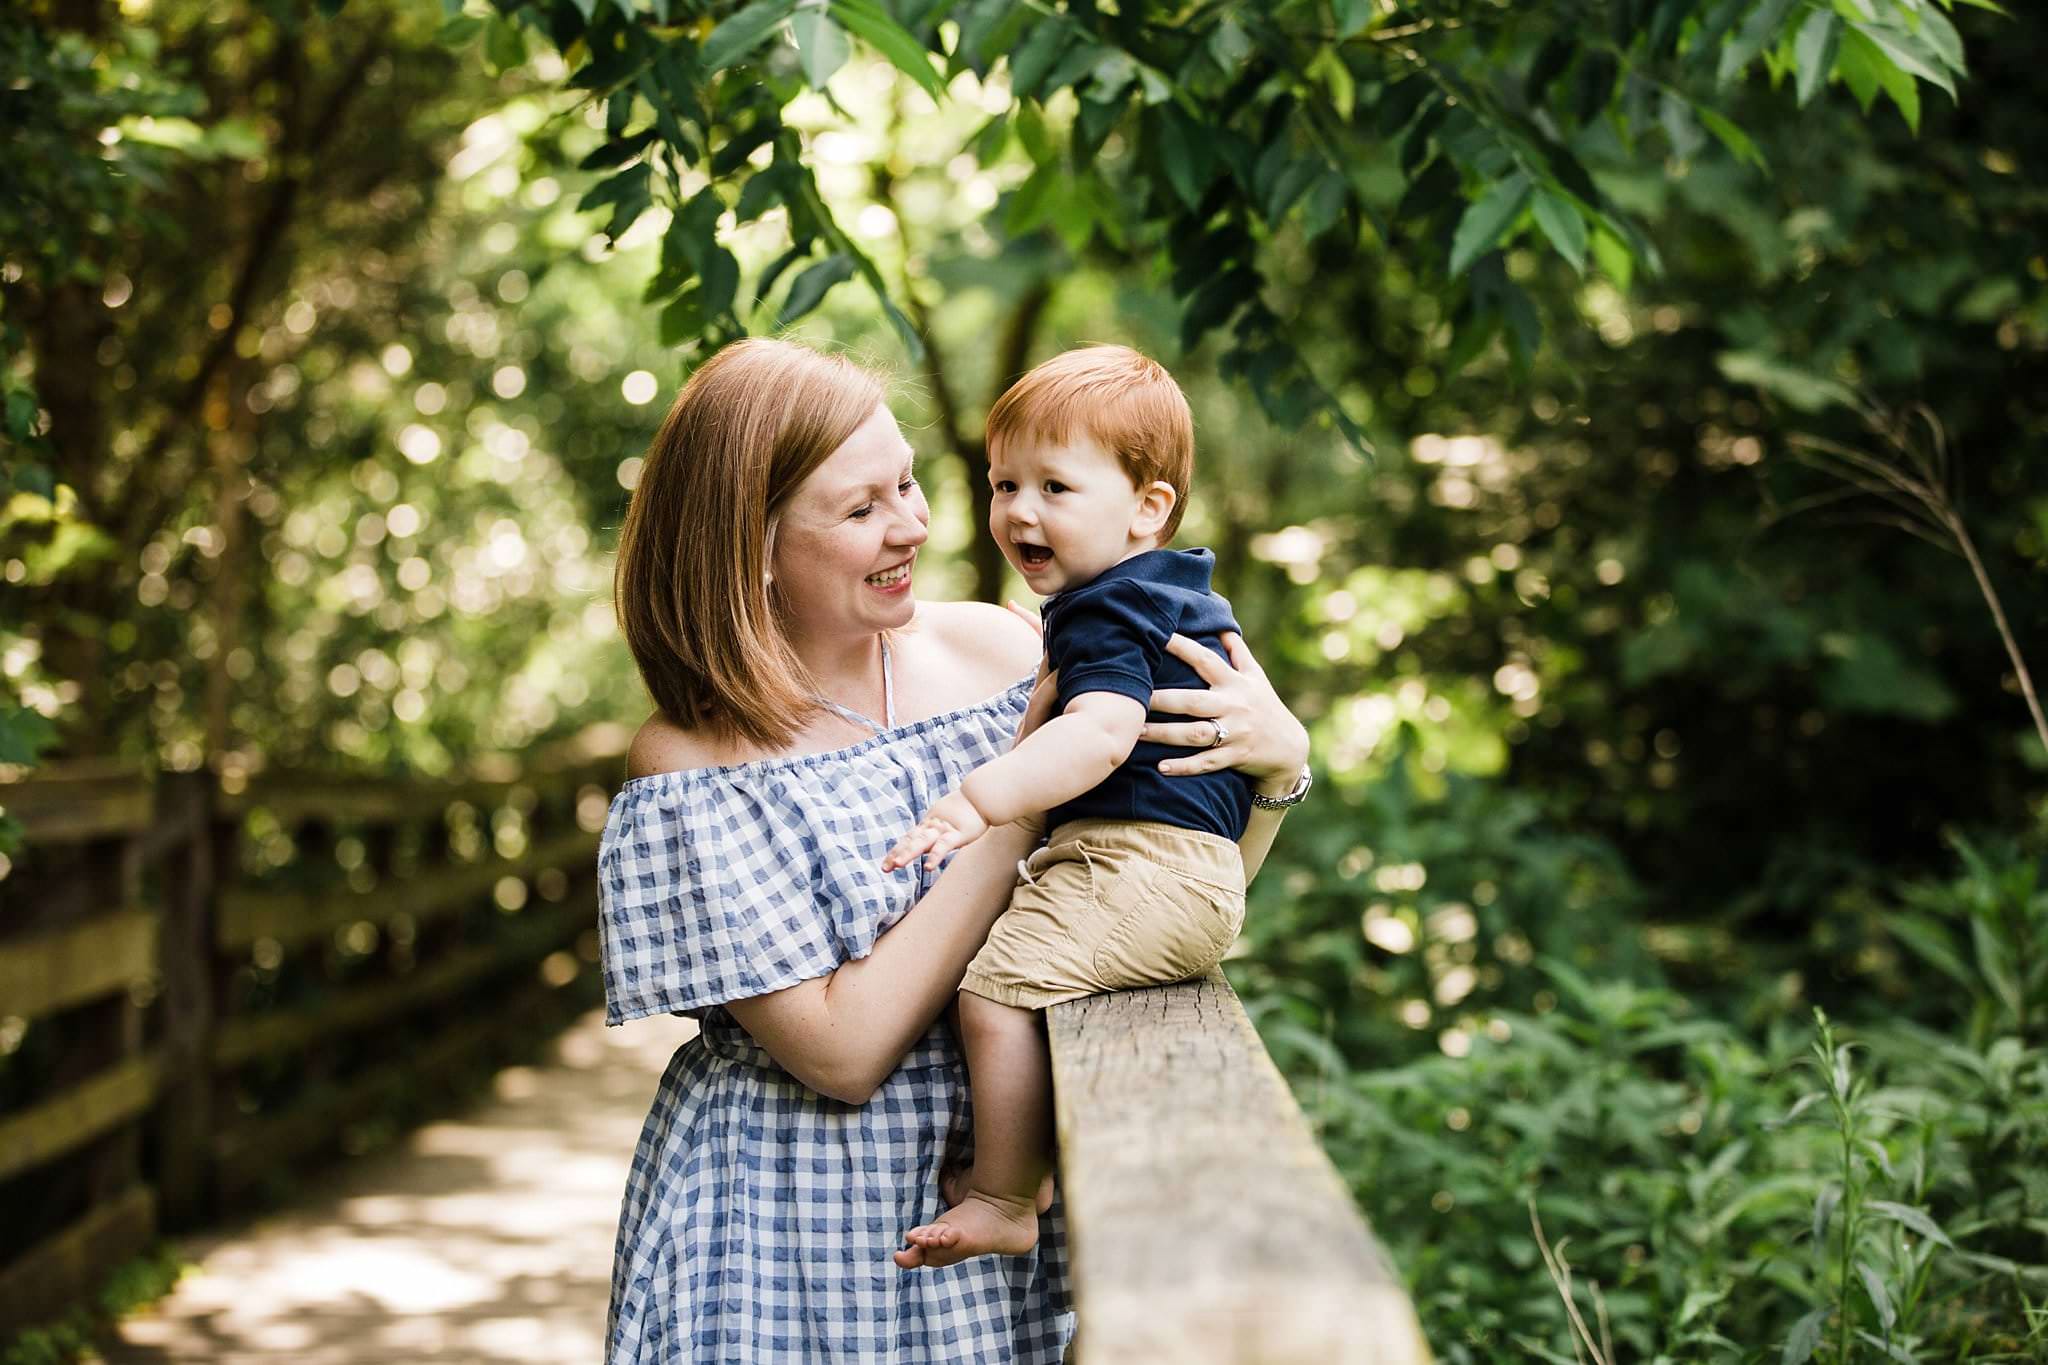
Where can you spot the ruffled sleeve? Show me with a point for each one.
(724, 883)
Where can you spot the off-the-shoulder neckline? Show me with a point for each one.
(823, 756)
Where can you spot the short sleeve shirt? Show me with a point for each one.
(1109, 635)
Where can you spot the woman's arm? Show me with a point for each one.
(843, 1033)
(1264, 740)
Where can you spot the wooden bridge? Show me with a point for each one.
(209, 986)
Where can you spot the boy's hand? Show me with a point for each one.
(951, 823)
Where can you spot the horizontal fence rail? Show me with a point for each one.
(1205, 1224)
(204, 990)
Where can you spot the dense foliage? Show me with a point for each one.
(1643, 730)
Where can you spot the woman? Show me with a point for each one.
(809, 707)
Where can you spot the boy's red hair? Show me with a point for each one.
(1125, 402)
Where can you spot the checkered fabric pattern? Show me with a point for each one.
(759, 1216)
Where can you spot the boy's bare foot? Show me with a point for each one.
(979, 1225)
(956, 1181)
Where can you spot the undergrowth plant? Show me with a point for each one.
(1618, 1177)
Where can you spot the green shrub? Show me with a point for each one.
(1700, 1188)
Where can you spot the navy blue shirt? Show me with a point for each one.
(1109, 635)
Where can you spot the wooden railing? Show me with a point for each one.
(203, 990)
(1205, 1224)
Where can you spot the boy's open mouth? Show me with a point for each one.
(1035, 556)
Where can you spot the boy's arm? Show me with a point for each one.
(1068, 755)
(1073, 753)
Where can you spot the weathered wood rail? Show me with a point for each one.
(205, 986)
(1205, 1224)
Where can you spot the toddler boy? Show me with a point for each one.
(1140, 881)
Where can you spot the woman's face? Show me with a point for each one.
(845, 541)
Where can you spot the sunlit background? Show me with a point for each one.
(1633, 741)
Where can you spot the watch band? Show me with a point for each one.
(1294, 794)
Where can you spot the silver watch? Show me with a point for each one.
(1294, 793)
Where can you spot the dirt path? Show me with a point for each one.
(486, 1239)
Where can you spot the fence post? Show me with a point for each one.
(192, 873)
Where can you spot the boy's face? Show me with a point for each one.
(1065, 512)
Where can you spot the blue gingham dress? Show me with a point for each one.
(760, 1216)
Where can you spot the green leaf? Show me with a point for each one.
(1289, 185)
(870, 22)
(766, 284)
(627, 193)
(1859, 63)
(1030, 203)
(1891, 1349)
(1824, 1208)
(1904, 90)
(681, 319)
(1325, 205)
(1911, 1218)
(719, 274)
(743, 32)
(821, 44)
(1731, 137)
(1355, 16)
(1229, 44)
(1902, 49)
(1803, 389)
(1032, 132)
(1614, 258)
(31, 477)
(24, 734)
(809, 287)
(1942, 40)
(1814, 52)
(459, 31)
(1486, 220)
(1804, 1338)
(21, 414)
(1189, 166)
(990, 143)
(1759, 32)
(1213, 304)
(1082, 60)
(1559, 218)
(1030, 63)
(504, 45)
(763, 191)
(1676, 114)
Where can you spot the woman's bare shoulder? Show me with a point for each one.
(662, 746)
(984, 641)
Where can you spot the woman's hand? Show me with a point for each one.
(1264, 740)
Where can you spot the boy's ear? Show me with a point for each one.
(1156, 501)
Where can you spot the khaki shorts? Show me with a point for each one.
(1107, 905)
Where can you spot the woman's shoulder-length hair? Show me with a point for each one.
(691, 579)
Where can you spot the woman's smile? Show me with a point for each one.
(892, 581)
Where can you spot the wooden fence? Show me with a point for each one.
(1205, 1224)
(203, 989)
